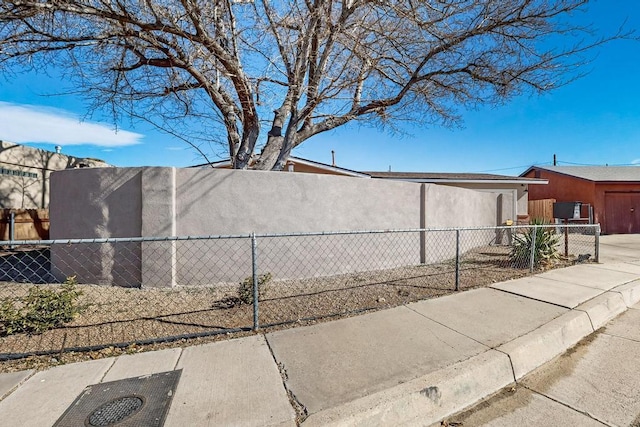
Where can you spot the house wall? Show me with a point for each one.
(566, 188)
(561, 187)
(600, 211)
(27, 184)
(195, 202)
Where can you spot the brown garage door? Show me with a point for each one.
(622, 212)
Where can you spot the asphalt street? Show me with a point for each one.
(596, 383)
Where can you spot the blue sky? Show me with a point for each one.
(594, 121)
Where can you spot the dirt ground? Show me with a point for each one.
(117, 320)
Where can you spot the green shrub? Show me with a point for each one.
(545, 250)
(245, 292)
(43, 308)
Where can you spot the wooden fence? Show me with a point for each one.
(29, 224)
(541, 209)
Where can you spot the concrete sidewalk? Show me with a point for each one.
(410, 365)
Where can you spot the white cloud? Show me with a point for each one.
(29, 123)
(635, 162)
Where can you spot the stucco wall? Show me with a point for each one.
(128, 202)
(509, 192)
(97, 203)
(239, 202)
(242, 202)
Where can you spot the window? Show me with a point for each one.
(13, 172)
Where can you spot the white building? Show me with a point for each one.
(24, 174)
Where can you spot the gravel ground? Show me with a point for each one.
(113, 318)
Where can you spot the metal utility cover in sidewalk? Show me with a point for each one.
(142, 401)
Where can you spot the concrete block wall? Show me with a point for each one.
(132, 202)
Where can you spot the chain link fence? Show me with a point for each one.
(143, 290)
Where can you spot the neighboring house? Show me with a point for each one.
(612, 191)
(296, 164)
(513, 190)
(24, 174)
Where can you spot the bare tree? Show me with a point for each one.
(225, 70)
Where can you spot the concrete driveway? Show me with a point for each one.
(619, 247)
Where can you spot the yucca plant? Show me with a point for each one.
(545, 249)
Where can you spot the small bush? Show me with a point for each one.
(545, 250)
(43, 308)
(245, 292)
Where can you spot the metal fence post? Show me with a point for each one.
(532, 255)
(12, 227)
(254, 274)
(597, 243)
(457, 260)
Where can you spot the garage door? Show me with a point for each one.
(622, 212)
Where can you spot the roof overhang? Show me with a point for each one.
(470, 181)
(296, 160)
(329, 168)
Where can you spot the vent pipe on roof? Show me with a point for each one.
(333, 158)
(555, 163)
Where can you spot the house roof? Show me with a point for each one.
(424, 177)
(466, 178)
(298, 160)
(325, 166)
(595, 173)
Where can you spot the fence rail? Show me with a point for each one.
(138, 290)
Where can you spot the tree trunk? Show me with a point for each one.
(270, 153)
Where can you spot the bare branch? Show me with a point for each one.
(290, 69)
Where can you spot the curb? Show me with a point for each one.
(424, 400)
(536, 348)
(630, 292)
(603, 308)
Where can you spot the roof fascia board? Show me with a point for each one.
(328, 168)
(560, 173)
(468, 181)
(296, 160)
(609, 182)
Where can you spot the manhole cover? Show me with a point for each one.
(132, 402)
(115, 411)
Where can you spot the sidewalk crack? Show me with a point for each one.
(585, 413)
(299, 408)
